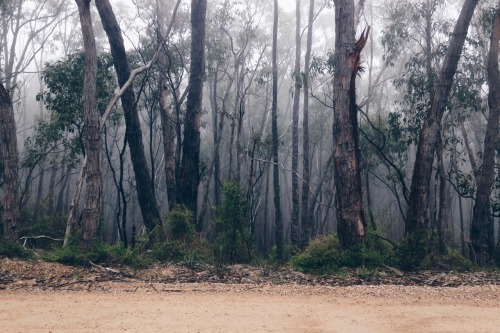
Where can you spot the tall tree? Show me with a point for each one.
(295, 226)
(346, 151)
(9, 163)
(92, 137)
(417, 217)
(133, 132)
(482, 227)
(306, 218)
(275, 141)
(190, 172)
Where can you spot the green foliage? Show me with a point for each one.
(177, 240)
(322, 256)
(171, 250)
(101, 253)
(64, 99)
(53, 227)
(325, 255)
(11, 249)
(232, 237)
(417, 250)
(454, 260)
(180, 224)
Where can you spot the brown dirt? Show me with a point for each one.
(44, 297)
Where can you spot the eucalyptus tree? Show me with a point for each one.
(190, 173)
(280, 249)
(482, 227)
(9, 166)
(417, 218)
(133, 132)
(347, 158)
(295, 222)
(92, 136)
(306, 217)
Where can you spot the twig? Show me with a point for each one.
(105, 268)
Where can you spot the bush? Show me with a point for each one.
(11, 249)
(417, 251)
(168, 251)
(177, 240)
(325, 255)
(53, 227)
(112, 255)
(454, 260)
(322, 256)
(179, 224)
(232, 237)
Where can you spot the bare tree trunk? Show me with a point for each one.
(417, 217)
(295, 226)
(10, 159)
(280, 249)
(347, 156)
(52, 195)
(167, 124)
(306, 215)
(190, 173)
(444, 215)
(92, 205)
(216, 134)
(133, 132)
(482, 228)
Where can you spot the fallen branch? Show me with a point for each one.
(38, 237)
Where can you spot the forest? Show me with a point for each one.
(320, 133)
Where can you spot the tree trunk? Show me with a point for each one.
(347, 155)
(306, 215)
(10, 160)
(295, 226)
(92, 137)
(417, 217)
(444, 202)
(133, 132)
(190, 173)
(275, 143)
(482, 227)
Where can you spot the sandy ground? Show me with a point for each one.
(250, 308)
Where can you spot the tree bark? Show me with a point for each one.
(133, 132)
(417, 217)
(347, 155)
(482, 227)
(295, 226)
(275, 142)
(167, 124)
(10, 161)
(92, 136)
(190, 173)
(306, 214)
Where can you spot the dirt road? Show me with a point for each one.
(251, 308)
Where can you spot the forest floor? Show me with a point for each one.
(38, 296)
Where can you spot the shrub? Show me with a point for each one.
(168, 251)
(454, 260)
(11, 249)
(232, 237)
(179, 224)
(322, 256)
(325, 255)
(416, 251)
(112, 255)
(177, 240)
